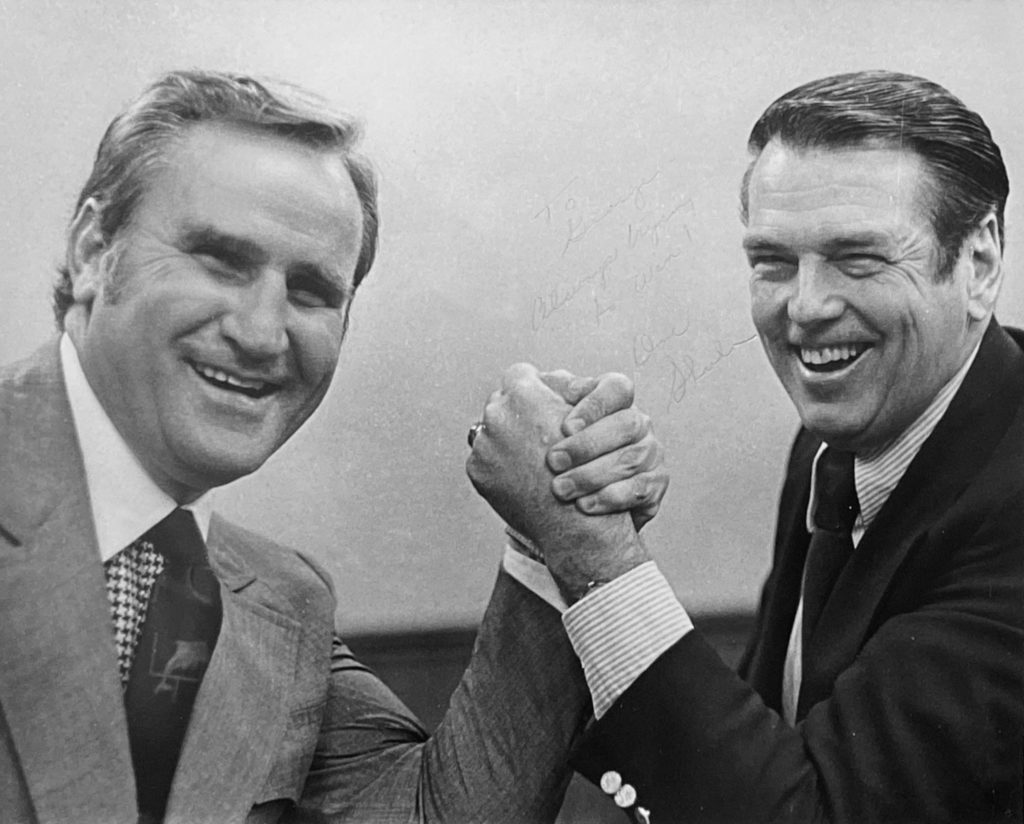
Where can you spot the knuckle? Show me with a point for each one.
(579, 386)
(639, 424)
(491, 412)
(659, 486)
(560, 376)
(493, 400)
(630, 459)
(579, 446)
(515, 374)
(620, 386)
(595, 477)
(592, 408)
(657, 453)
(644, 423)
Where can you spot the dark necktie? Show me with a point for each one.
(175, 645)
(831, 544)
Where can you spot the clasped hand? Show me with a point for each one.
(569, 463)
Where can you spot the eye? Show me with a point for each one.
(313, 291)
(219, 263)
(862, 264)
(773, 268)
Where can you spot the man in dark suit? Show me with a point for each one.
(160, 663)
(885, 677)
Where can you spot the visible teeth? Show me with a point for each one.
(224, 377)
(831, 354)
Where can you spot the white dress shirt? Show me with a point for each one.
(125, 500)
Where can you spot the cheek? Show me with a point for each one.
(766, 304)
(317, 346)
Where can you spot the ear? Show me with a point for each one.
(985, 276)
(85, 252)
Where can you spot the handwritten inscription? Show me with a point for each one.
(687, 371)
(645, 276)
(579, 220)
(651, 230)
(644, 346)
(580, 225)
(633, 254)
(617, 258)
(561, 294)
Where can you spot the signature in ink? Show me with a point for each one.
(644, 346)
(688, 373)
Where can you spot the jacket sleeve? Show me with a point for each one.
(926, 724)
(500, 754)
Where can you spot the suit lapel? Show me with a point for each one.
(59, 688)
(764, 661)
(241, 709)
(958, 448)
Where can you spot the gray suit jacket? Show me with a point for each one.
(287, 725)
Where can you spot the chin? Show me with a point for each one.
(211, 470)
(835, 431)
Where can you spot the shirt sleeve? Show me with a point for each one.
(619, 629)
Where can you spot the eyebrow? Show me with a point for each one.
(846, 243)
(237, 249)
(245, 253)
(862, 240)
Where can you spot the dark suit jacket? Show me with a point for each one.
(912, 706)
(287, 725)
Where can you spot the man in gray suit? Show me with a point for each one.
(160, 663)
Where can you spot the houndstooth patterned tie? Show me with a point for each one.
(130, 577)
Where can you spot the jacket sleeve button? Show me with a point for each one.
(626, 796)
(610, 782)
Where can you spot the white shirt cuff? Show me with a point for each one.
(534, 576)
(621, 628)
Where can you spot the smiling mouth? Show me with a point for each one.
(233, 383)
(831, 358)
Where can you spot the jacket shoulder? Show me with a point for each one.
(289, 573)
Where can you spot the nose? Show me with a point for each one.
(257, 324)
(816, 294)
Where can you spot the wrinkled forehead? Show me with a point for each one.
(262, 197)
(834, 184)
(856, 155)
(230, 174)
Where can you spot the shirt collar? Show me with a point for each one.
(877, 475)
(125, 500)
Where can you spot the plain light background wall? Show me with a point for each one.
(559, 185)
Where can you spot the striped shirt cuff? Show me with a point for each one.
(621, 628)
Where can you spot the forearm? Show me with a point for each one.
(896, 741)
(500, 754)
(514, 718)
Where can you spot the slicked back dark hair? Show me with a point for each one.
(136, 142)
(882, 109)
